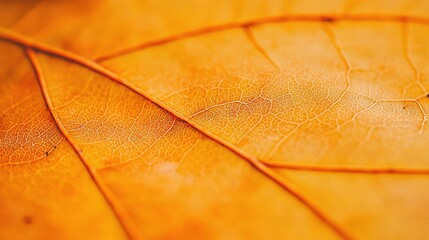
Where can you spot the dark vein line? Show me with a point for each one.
(332, 37)
(251, 35)
(343, 57)
(288, 186)
(265, 20)
(115, 205)
(417, 78)
(356, 169)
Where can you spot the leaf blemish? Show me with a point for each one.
(28, 220)
(327, 19)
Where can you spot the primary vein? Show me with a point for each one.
(116, 206)
(258, 165)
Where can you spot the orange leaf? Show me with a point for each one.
(214, 120)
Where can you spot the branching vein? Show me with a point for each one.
(262, 168)
(108, 195)
(260, 21)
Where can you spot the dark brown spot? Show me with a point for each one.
(326, 19)
(427, 95)
(28, 219)
(46, 153)
(404, 107)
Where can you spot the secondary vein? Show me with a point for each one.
(115, 205)
(260, 21)
(355, 169)
(288, 186)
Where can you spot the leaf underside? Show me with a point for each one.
(214, 120)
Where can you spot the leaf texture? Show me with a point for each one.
(214, 120)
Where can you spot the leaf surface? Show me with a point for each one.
(279, 120)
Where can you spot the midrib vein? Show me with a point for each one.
(128, 225)
(115, 205)
(259, 165)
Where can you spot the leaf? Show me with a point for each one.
(239, 121)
